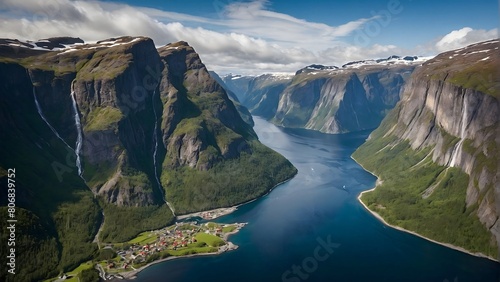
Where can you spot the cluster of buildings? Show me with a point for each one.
(177, 237)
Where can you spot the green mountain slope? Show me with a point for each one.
(437, 152)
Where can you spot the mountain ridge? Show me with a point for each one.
(313, 98)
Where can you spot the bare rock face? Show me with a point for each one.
(201, 124)
(452, 105)
(338, 100)
(263, 93)
(330, 99)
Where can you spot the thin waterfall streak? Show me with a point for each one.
(458, 147)
(79, 139)
(155, 154)
(40, 113)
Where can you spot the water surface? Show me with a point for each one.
(289, 228)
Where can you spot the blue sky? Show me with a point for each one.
(260, 36)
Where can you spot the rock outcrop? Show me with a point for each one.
(263, 94)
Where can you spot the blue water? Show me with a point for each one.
(289, 228)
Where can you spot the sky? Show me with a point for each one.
(262, 36)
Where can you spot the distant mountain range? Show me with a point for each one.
(322, 97)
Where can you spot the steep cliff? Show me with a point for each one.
(263, 94)
(57, 215)
(119, 128)
(242, 110)
(213, 158)
(238, 84)
(336, 100)
(446, 131)
(330, 99)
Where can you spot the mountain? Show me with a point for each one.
(437, 152)
(242, 110)
(120, 133)
(238, 84)
(330, 99)
(353, 97)
(263, 94)
(315, 67)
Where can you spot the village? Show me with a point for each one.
(123, 260)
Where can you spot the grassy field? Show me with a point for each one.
(228, 229)
(144, 238)
(209, 239)
(75, 272)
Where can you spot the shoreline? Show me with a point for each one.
(130, 275)
(231, 209)
(381, 219)
(230, 246)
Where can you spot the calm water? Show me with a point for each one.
(288, 229)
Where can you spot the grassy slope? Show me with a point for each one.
(228, 183)
(443, 216)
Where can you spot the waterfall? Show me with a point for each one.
(155, 153)
(78, 125)
(40, 113)
(79, 139)
(458, 147)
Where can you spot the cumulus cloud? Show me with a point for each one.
(239, 40)
(463, 37)
(240, 37)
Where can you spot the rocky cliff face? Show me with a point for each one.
(139, 108)
(242, 110)
(461, 122)
(451, 107)
(337, 100)
(238, 84)
(330, 99)
(263, 94)
(202, 132)
(204, 109)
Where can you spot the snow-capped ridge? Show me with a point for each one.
(392, 60)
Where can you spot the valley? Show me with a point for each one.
(124, 150)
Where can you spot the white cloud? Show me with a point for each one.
(255, 20)
(247, 37)
(463, 37)
(241, 37)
